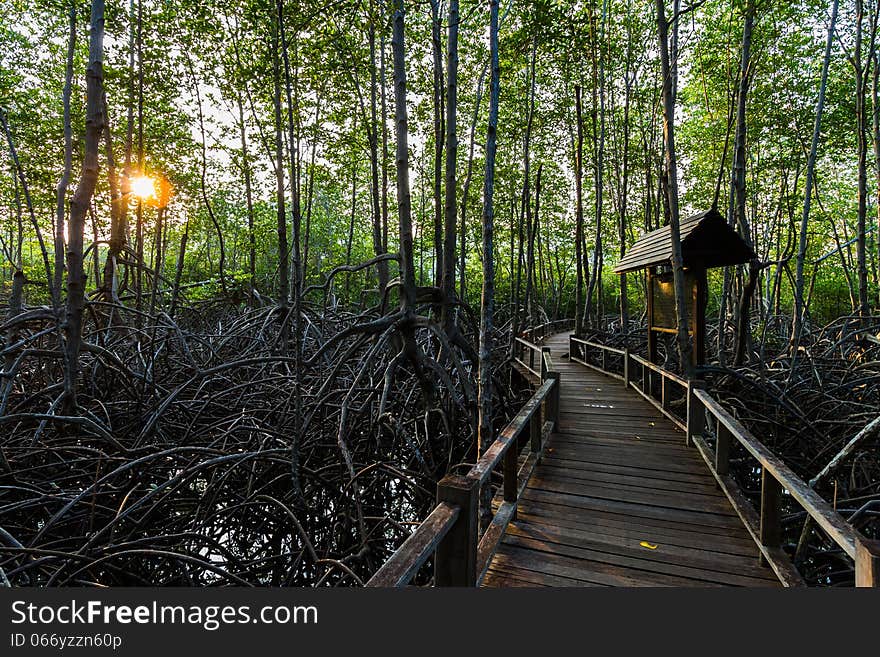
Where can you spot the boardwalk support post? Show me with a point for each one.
(626, 373)
(868, 563)
(696, 413)
(456, 556)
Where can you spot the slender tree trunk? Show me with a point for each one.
(450, 208)
(139, 226)
(404, 201)
(178, 272)
(117, 213)
(532, 287)
(861, 128)
(579, 215)
(799, 306)
(738, 183)
(487, 302)
(598, 115)
(310, 197)
(437, 50)
(291, 94)
(349, 243)
(79, 206)
(467, 183)
(373, 133)
(624, 195)
(684, 342)
(384, 109)
(25, 190)
(525, 217)
(281, 215)
(203, 186)
(61, 192)
(875, 124)
(249, 198)
(295, 266)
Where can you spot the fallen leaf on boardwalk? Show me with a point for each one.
(650, 546)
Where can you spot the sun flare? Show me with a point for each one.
(143, 187)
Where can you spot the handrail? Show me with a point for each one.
(521, 347)
(450, 532)
(765, 525)
(492, 456)
(418, 548)
(543, 330)
(841, 532)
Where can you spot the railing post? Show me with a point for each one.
(455, 561)
(664, 393)
(626, 367)
(551, 405)
(722, 450)
(544, 350)
(771, 511)
(511, 475)
(696, 412)
(868, 563)
(535, 426)
(604, 360)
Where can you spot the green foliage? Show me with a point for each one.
(218, 55)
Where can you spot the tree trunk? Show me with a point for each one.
(373, 134)
(404, 200)
(467, 183)
(79, 206)
(485, 435)
(738, 183)
(875, 120)
(579, 215)
(281, 215)
(799, 307)
(684, 342)
(624, 195)
(450, 209)
(437, 50)
(249, 197)
(861, 128)
(61, 191)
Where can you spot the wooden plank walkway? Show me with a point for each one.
(618, 500)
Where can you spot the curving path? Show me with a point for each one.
(618, 500)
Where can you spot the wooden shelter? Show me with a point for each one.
(707, 241)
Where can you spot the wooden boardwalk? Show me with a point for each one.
(618, 500)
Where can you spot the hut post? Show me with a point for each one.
(652, 338)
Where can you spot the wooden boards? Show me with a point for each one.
(618, 500)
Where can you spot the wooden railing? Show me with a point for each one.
(690, 406)
(451, 531)
(537, 334)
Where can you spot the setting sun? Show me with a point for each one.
(143, 187)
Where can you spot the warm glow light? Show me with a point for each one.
(143, 187)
